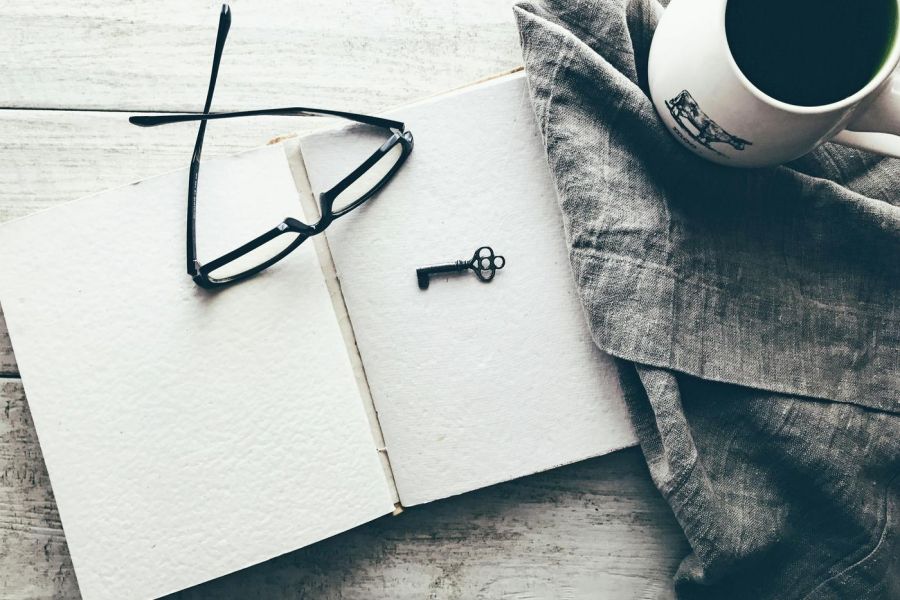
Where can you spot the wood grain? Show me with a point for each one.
(597, 529)
(361, 55)
(51, 157)
(34, 559)
(8, 366)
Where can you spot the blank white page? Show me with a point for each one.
(474, 383)
(187, 434)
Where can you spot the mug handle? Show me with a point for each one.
(877, 127)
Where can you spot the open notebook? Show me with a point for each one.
(189, 434)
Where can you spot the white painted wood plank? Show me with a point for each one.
(56, 156)
(363, 55)
(34, 559)
(597, 529)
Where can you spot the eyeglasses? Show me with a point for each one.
(267, 249)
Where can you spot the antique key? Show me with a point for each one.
(484, 263)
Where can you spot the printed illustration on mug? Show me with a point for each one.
(686, 112)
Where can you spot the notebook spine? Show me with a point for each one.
(310, 208)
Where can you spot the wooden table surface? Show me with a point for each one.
(72, 72)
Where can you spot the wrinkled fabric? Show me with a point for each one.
(757, 313)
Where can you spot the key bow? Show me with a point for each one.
(486, 264)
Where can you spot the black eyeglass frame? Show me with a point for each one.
(201, 272)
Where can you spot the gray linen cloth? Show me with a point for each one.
(756, 314)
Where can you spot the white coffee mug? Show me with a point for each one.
(711, 107)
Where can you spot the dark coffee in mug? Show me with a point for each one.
(810, 52)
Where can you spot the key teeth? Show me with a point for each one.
(422, 279)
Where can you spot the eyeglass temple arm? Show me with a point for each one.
(193, 174)
(290, 111)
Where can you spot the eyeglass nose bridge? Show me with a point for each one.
(298, 226)
(326, 211)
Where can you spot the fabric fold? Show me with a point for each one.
(785, 279)
(756, 315)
